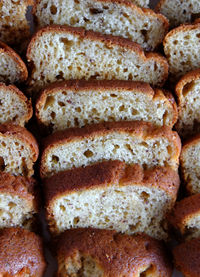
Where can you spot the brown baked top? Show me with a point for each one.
(116, 254)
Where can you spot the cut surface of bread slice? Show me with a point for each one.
(12, 68)
(61, 53)
(141, 3)
(21, 253)
(181, 49)
(117, 18)
(77, 103)
(18, 150)
(179, 11)
(102, 253)
(111, 195)
(187, 258)
(190, 164)
(187, 92)
(186, 217)
(18, 200)
(14, 105)
(14, 27)
(131, 141)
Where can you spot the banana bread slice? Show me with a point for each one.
(102, 253)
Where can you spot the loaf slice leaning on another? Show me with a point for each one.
(130, 141)
(78, 103)
(15, 106)
(102, 253)
(111, 195)
(62, 53)
(18, 150)
(111, 17)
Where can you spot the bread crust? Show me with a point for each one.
(21, 252)
(116, 254)
(21, 65)
(109, 40)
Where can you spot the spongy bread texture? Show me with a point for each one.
(14, 27)
(186, 217)
(21, 253)
(77, 103)
(181, 49)
(15, 106)
(131, 141)
(190, 164)
(111, 195)
(12, 68)
(187, 92)
(179, 11)
(18, 200)
(18, 150)
(117, 18)
(141, 3)
(61, 53)
(103, 253)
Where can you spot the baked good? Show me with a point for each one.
(111, 17)
(77, 103)
(130, 141)
(187, 258)
(14, 26)
(21, 253)
(180, 47)
(179, 11)
(14, 105)
(12, 68)
(141, 3)
(18, 150)
(111, 195)
(187, 92)
(93, 252)
(190, 164)
(18, 201)
(58, 53)
(185, 217)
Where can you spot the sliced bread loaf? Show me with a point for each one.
(62, 53)
(132, 142)
(190, 164)
(111, 17)
(101, 253)
(187, 92)
(181, 49)
(77, 103)
(21, 253)
(111, 195)
(179, 11)
(18, 150)
(185, 217)
(18, 201)
(14, 105)
(12, 68)
(187, 257)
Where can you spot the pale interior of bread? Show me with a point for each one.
(107, 18)
(191, 167)
(9, 70)
(12, 107)
(141, 3)
(182, 51)
(127, 209)
(15, 156)
(65, 109)
(14, 210)
(193, 227)
(148, 152)
(66, 56)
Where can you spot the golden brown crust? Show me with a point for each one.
(109, 40)
(187, 258)
(116, 254)
(21, 65)
(183, 211)
(21, 250)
